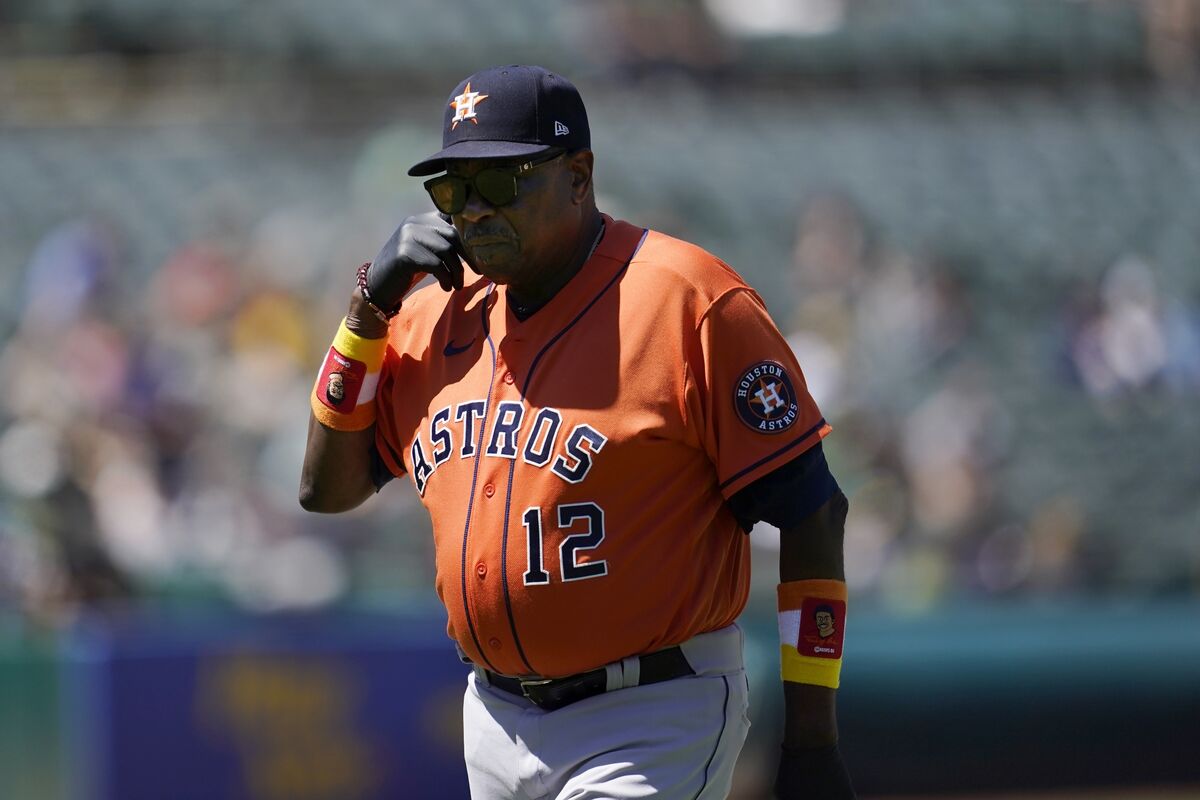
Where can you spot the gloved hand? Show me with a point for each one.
(423, 244)
(816, 773)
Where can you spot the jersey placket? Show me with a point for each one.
(485, 537)
(481, 567)
(507, 443)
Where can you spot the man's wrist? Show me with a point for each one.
(816, 772)
(362, 320)
(810, 716)
(343, 397)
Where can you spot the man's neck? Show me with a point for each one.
(524, 303)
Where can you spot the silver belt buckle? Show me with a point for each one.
(526, 684)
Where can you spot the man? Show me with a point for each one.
(825, 621)
(593, 423)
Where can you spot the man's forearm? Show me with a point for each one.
(812, 550)
(810, 553)
(337, 464)
(337, 468)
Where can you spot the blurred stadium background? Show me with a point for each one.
(978, 221)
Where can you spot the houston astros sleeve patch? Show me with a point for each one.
(765, 399)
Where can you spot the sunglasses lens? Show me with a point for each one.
(449, 193)
(498, 187)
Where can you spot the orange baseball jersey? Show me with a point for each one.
(576, 464)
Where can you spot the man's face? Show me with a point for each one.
(824, 622)
(336, 390)
(518, 243)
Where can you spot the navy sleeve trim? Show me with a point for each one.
(820, 424)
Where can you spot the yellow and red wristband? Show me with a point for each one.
(812, 624)
(343, 398)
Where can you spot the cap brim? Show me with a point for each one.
(474, 148)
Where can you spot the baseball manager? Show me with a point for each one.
(593, 416)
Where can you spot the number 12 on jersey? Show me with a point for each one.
(587, 539)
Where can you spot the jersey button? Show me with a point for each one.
(508, 377)
(494, 642)
(481, 570)
(489, 490)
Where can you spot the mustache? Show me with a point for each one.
(487, 232)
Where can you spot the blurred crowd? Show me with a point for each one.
(152, 415)
(890, 343)
(1124, 336)
(153, 426)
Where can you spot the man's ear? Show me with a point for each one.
(580, 164)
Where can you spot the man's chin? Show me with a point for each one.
(497, 266)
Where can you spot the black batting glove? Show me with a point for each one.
(815, 773)
(423, 244)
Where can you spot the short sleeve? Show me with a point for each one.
(746, 396)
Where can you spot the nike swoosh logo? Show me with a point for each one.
(453, 350)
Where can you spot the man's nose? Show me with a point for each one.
(476, 208)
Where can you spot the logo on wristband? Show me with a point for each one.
(335, 389)
(821, 629)
(341, 381)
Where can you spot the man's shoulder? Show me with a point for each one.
(430, 298)
(670, 264)
(429, 306)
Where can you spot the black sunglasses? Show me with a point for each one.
(496, 185)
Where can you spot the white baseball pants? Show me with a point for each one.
(672, 740)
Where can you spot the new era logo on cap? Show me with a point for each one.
(512, 111)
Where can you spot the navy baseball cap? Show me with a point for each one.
(510, 111)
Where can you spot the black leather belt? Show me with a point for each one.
(554, 693)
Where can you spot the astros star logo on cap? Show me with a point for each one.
(464, 106)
